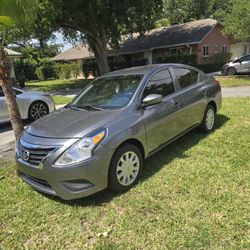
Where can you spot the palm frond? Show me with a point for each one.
(6, 20)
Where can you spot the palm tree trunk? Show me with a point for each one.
(5, 81)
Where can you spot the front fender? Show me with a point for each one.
(123, 129)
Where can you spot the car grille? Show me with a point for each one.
(33, 154)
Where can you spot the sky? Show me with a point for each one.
(59, 39)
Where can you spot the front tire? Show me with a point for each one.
(125, 168)
(37, 110)
(231, 71)
(208, 122)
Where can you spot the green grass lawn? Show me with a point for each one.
(233, 81)
(193, 194)
(58, 99)
(57, 85)
(64, 85)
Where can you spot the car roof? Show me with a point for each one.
(143, 70)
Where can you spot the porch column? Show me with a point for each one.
(148, 55)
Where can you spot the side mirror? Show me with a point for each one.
(151, 100)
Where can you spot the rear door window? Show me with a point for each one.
(161, 83)
(186, 77)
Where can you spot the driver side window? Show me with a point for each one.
(160, 83)
(246, 58)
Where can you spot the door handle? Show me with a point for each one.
(177, 104)
(204, 91)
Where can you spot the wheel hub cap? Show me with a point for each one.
(210, 119)
(127, 168)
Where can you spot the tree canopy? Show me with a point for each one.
(237, 20)
(102, 22)
(181, 11)
(233, 14)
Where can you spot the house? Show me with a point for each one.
(12, 54)
(240, 49)
(202, 38)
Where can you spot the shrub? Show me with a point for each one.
(209, 68)
(120, 63)
(45, 69)
(67, 70)
(222, 57)
(25, 69)
(184, 58)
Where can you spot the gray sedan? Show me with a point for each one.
(32, 105)
(103, 136)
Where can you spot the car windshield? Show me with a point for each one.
(107, 93)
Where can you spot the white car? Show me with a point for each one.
(241, 65)
(32, 104)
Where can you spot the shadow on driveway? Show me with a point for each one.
(152, 165)
(6, 127)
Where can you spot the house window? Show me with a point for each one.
(224, 48)
(176, 51)
(205, 51)
(215, 48)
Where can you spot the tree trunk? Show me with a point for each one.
(102, 61)
(5, 81)
(98, 43)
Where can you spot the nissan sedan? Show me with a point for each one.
(103, 136)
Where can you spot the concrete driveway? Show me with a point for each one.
(236, 91)
(7, 140)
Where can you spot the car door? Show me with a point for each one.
(246, 64)
(193, 93)
(21, 101)
(161, 121)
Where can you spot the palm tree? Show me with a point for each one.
(12, 14)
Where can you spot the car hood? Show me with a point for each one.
(68, 123)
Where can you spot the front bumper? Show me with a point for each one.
(71, 182)
(224, 70)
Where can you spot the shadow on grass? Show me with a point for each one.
(152, 165)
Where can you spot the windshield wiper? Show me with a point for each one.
(85, 106)
(89, 106)
(74, 107)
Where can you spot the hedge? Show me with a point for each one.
(184, 59)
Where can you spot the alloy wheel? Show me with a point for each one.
(38, 110)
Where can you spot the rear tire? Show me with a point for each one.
(208, 121)
(37, 110)
(125, 168)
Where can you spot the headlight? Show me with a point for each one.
(82, 149)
